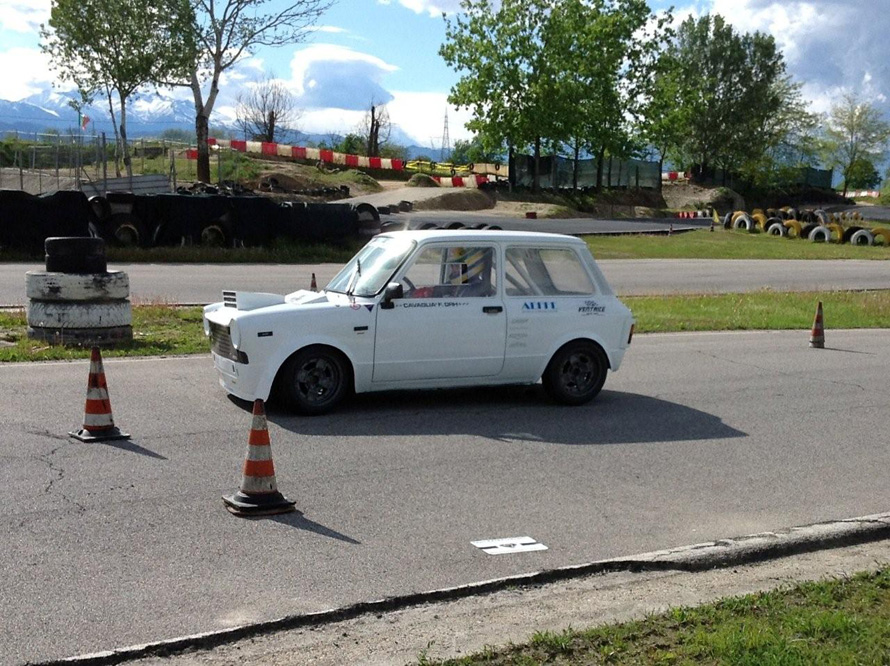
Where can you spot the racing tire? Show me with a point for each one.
(794, 230)
(837, 232)
(57, 314)
(454, 225)
(862, 237)
(883, 234)
(744, 223)
(127, 230)
(43, 286)
(760, 220)
(727, 221)
(215, 234)
(315, 380)
(101, 207)
(848, 233)
(428, 225)
(819, 234)
(73, 246)
(89, 263)
(776, 228)
(576, 373)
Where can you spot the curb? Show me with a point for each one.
(747, 549)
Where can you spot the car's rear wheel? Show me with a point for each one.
(576, 373)
(315, 380)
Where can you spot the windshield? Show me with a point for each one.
(369, 271)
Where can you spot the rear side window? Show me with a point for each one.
(545, 272)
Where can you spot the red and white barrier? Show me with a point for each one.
(303, 153)
(461, 181)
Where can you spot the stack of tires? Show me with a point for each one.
(817, 226)
(76, 300)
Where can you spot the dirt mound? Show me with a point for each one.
(457, 200)
(421, 180)
(689, 196)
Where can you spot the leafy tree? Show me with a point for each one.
(508, 75)
(267, 112)
(178, 135)
(473, 152)
(862, 175)
(856, 132)
(118, 45)
(227, 31)
(730, 94)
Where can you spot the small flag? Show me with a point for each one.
(86, 121)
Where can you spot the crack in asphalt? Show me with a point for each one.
(57, 470)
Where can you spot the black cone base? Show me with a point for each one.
(85, 435)
(265, 504)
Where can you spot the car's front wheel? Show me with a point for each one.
(315, 380)
(576, 373)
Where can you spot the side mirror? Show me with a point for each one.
(393, 291)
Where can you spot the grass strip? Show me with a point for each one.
(160, 329)
(762, 310)
(722, 244)
(843, 621)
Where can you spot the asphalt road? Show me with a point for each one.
(203, 283)
(698, 437)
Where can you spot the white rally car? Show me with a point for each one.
(428, 309)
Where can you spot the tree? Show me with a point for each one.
(855, 132)
(730, 89)
(862, 175)
(267, 112)
(227, 31)
(106, 46)
(508, 76)
(473, 152)
(376, 128)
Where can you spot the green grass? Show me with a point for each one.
(763, 310)
(158, 330)
(161, 329)
(844, 621)
(722, 244)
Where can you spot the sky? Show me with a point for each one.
(386, 51)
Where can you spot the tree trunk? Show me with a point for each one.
(202, 131)
(536, 184)
(511, 168)
(601, 153)
(128, 166)
(117, 136)
(575, 167)
(660, 167)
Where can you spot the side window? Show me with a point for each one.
(545, 272)
(449, 271)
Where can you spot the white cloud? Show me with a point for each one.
(828, 45)
(432, 7)
(326, 28)
(422, 117)
(23, 15)
(25, 73)
(329, 76)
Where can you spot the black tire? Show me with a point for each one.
(101, 207)
(315, 380)
(86, 263)
(73, 246)
(727, 220)
(428, 225)
(807, 229)
(454, 225)
(848, 233)
(215, 234)
(576, 373)
(127, 230)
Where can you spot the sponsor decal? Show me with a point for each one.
(370, 307)
(433, 304)
(539, 306)
(264, 334)
(591, 308)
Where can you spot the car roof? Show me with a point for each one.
(490, 235)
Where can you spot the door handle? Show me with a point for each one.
(492, 309)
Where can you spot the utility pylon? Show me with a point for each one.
(445, 155)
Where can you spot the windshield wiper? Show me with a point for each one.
(355, 276)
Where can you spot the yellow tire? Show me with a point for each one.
(760, 219)
(883, 233)
(837, 233)
(794, 228)
(736, 215)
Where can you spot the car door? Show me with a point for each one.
(450, 322)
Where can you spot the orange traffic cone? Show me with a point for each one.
(258, 495)
(98, 424)
(313, 286)
(817, 336)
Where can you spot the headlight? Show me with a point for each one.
(235, 333)
(206, 327)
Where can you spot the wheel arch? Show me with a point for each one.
(564, 342)
(270, 383)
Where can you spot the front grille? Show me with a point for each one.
(221, 343)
